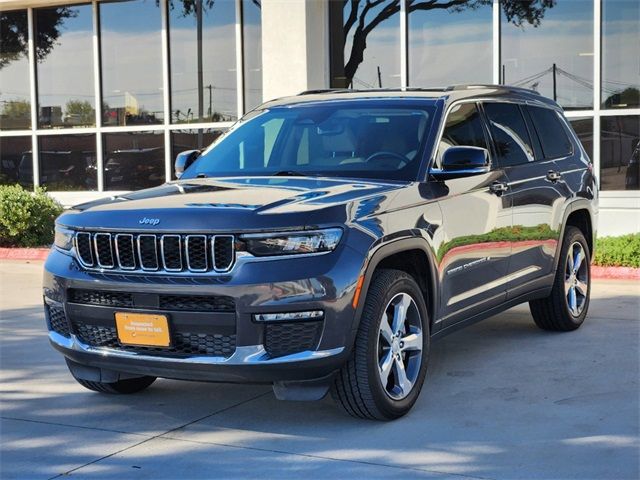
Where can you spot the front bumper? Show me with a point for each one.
(325, 282)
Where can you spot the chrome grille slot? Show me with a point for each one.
(146, 252)
(104, 250)
(223, 250)
(125, 251)
(171, 248)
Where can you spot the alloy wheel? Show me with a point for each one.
(576, 279)
(400, 346)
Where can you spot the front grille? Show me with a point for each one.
(182, 343)
(151, 252)
(58, 320)
(192, 303)
(287, 338)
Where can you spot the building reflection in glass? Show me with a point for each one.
(133, 161)
(67, 162)
(619, 150)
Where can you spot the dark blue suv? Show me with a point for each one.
(324, 241)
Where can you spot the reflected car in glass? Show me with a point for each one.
(324, 241)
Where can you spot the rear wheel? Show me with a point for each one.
(130, 385)
(385, 373)
(566, 307)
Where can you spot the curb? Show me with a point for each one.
(617, 273)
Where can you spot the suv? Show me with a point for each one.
(324, 241)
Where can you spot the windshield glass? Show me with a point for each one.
(333, 139)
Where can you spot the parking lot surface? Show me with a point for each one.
(502, 400)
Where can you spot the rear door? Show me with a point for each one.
(535, 195)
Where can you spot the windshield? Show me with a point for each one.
(336, 139)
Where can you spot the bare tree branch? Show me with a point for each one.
(353, 16)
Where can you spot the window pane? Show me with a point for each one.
(65, 66)
(67, 162)
(133, 161)
(620, 57)
(509, 133)
(584, 129)
(554, 139)
(15, 104)
(15, 161)
(203, 91)
(182, 140)
(463, 128)
(557, 51)
(252, 39)
(131, 55)
(619, 153)
(450, 46)
(368, 54)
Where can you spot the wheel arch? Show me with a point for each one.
(579, 214)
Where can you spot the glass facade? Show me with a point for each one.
(149, 68)
(549, 47)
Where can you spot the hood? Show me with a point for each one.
(236, 204)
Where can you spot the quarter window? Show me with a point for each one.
(462, 128)
(552, 134)
(510, 134)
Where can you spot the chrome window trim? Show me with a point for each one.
(214, 238)
(133, 250)
(206, 253)
(164, 265)
(155, 249)
(78, 256)
(95, 246)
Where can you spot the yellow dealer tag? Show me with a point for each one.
(143, 329)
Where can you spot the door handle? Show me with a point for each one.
(554, 175)
(498, 188)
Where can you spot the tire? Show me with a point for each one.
(358, 387)
(566, 307)
(130, 385)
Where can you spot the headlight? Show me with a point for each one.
(315, 241)
(63, 238)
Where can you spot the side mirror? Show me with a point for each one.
(458, 162)
(184, 160)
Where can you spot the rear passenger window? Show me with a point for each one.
(462, 128)
(552, 134)
(510, 134)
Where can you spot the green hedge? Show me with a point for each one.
(621, 251)
(26, 218)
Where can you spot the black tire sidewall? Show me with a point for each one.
(573, 235)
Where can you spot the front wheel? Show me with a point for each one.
(566, 307)
(386, 370)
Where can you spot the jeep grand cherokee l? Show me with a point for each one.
(323, 242)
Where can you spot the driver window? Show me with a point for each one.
(462, 128)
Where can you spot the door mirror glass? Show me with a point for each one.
(460, 162)
(184, 160)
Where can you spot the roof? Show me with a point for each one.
(449, 94)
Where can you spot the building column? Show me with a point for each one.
(295, 46)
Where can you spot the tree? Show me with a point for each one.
(361, 20)
(79, 112)
(629, 96)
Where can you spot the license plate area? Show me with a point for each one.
(143, 329)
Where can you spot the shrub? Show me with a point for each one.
(26, 218)
(621, 251)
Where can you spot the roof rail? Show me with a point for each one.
(325, 90)
(501, 87)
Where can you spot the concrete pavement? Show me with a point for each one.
(502, 400)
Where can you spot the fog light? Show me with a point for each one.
(288, 316)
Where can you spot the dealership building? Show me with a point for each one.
(98, 98)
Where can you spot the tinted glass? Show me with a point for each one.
(182, 140)
(509, 133)
(365, 50)
(67, 162)
(551, 132)
(556, 49)
(333, 139)
(462, 128)
(133, 160)
(620, 57)
(65, 66)
(449, 46)
(131, 57)
(584, 130)
(203, 72)
(15, 161)
(619, 161)
(252, 40)
(15, 103)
